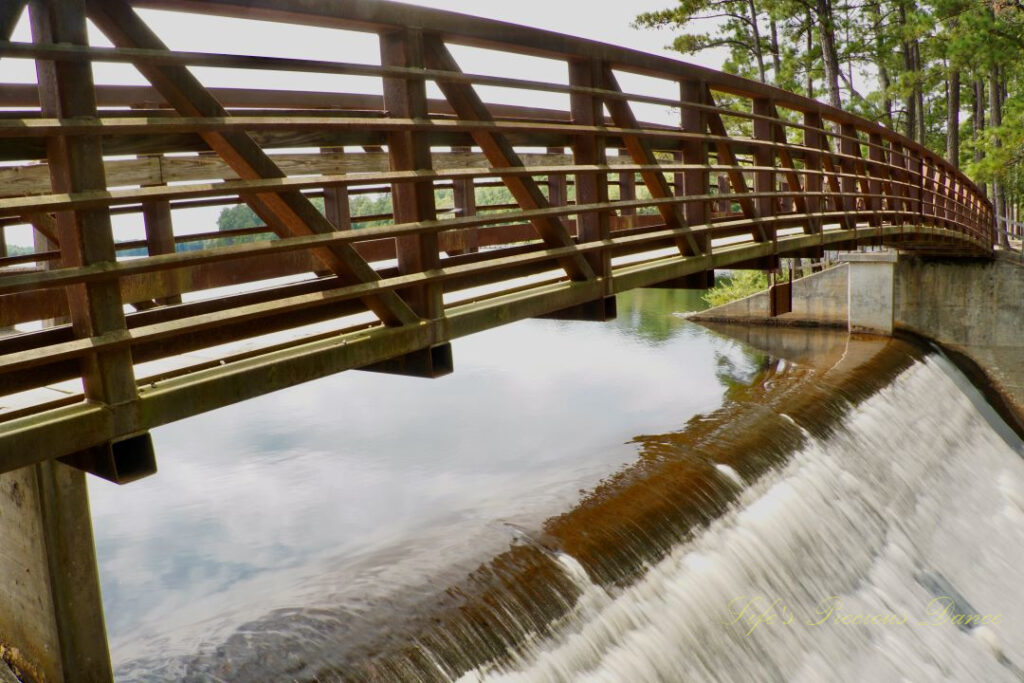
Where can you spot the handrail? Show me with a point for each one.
(748, 174)
(458, 28)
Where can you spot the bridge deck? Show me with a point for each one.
(599, 200)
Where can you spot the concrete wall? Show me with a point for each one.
(818, 299)
(870, 291)
(976, 308)
(972, 307)
(51, 611)
(28, 629)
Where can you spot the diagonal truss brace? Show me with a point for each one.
(727, 157)
(500, 154)
(642, 154)
(822, 147)
(287, 213)
(10, 12)
(786, 160)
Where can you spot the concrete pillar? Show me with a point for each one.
(28, 624)
(871, 291)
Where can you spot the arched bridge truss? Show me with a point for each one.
(604, 201)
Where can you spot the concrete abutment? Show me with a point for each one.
(972, 307)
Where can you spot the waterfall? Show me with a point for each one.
(891, 549)
(857, 514)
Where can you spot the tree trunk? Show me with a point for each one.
(830, 57)
(886, 83)
(979, 122)
(919, 93)
(809, 62)
(756, 32)
(910, 104)
(776, 57)
(995, 107)
(953, 118)
(880, 61)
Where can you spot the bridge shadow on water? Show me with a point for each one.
(830, 468)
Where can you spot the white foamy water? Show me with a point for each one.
(911, 514)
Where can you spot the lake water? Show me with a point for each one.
(577, 501)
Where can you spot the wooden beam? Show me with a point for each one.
(881, 174)
(10, 13)
(726, 156)
(410, 151)
(336, 199)
(786, 159)
(641, 152)
(76, 165)
(86, 239)
(830, 172)
(589, 150)
(152, 170)
(287, 212)
(468, 105)
(764, 159)
(627, 191)
(464, 201)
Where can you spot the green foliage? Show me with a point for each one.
(237, 217)
(740, 284)
(887, 60)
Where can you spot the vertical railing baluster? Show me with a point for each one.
(928, 193)
(464, 201)
(627, 192)
(813, 182)
(849, 145)
(159, 226)
(66, 91)
(724, 205)
(695, 153)
(409, 150)
(558, 186)
(764, 157)
(336, 201)
(876, 160)
(588, 150)
(943, 196)
(917, 184)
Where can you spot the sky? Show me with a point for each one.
(611, 23)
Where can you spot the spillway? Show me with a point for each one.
(851, 510)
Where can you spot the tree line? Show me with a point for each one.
(946, 73)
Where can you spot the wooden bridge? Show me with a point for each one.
(107, 348)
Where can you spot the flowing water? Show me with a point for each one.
(642, 500)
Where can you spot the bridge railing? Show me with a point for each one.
(597, 200)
